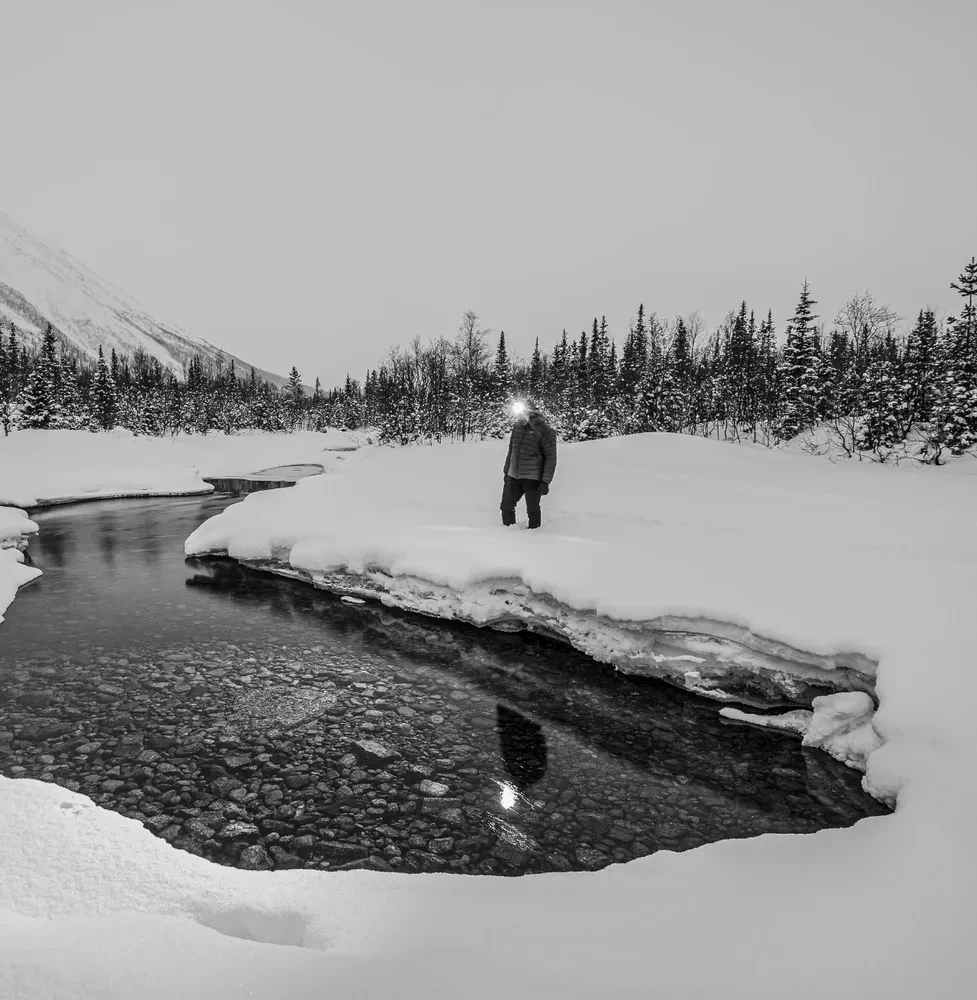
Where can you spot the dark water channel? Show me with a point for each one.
(261, 723)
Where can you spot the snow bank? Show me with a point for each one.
(13, 575)
(721, 568)
(92, 905)
(841, 724)
(41, 467)
(15, 528)
(15, 531)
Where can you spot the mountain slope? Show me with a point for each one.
(40, 283)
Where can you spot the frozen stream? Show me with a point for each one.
(260, 722)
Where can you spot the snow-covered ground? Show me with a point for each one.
(40, 467)
(854, 565)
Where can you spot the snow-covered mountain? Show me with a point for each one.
(40, 283)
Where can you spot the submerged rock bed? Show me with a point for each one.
(261, 758)
(261, 723)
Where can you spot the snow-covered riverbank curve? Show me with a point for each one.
(731, 570)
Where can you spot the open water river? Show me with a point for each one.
(261, 723)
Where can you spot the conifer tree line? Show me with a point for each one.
(868, 384)
(52, 388)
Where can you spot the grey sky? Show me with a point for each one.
(310, 183)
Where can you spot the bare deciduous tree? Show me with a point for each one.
(695, 325)
(866, 322)
(469, 364)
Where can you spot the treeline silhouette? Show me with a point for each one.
(869, 385)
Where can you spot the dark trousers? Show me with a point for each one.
(512, 492)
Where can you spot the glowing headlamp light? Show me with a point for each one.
(518, 408)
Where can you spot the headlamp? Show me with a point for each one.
(518, 408)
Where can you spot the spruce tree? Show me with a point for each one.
(645, 409)
(920, 368)
(73, 413)
(681, 352)
(15, 363)
(6, 387)
(40, 405)
(536, 380)
(674, 383)
(104, 402)
(740, 364)
(598, 365)
(502, 373)
(501, 357)
(842, 383)
(966, 325)
(582, 368)
(960, 388)
(557, 387)
(768, 393)
(882, 406)
(578, 394)
(800, 371)
(295, 397)
(633, 358)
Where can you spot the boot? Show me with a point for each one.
(535, 519)
(508, 517)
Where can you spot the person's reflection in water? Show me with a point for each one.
(523, 751)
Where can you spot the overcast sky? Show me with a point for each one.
(311, 183)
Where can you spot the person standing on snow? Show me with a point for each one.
(530, 464)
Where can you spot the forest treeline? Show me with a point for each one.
(869, 383)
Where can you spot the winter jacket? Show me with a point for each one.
(532, 451)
